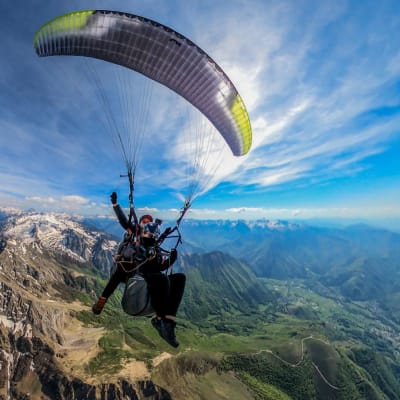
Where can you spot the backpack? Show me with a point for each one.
(136, 299)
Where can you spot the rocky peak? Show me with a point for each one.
(38, 307)
(60, 234)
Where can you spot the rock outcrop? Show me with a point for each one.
(36, 304)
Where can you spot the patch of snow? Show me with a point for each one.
(54, 232)
(7, 323)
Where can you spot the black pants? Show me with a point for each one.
(166, 292)
(119, 276)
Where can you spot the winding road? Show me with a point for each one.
(301, 360)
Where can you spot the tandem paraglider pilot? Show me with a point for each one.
(141, 264)
(156, 52)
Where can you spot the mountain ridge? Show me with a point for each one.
(39, 300)
(46, 296)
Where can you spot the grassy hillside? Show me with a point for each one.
(220, 286)
(326, 329)
(243, 337)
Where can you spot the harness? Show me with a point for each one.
(130, 265)
(127, 255)
(123, 264)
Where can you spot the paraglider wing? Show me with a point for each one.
(157, 52)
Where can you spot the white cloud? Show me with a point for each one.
(148, 210)
(68, 202)
(75, 201)
(305, 113)
(42, 200)
(240, 210)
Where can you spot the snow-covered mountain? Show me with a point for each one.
(241, 223)
(46, 265)
(46, 280)
(234, 237)
(60, 234)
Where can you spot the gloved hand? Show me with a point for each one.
(113, 198)
(98, 307)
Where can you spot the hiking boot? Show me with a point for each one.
(98, 307)
(166, 329)
(157, 324)
(168, 332)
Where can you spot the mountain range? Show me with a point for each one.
(358, 262)
(272, 310)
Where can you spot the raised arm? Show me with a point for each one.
(122, 218)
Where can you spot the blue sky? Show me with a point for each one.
(320, 79)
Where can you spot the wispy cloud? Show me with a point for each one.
(72, 203)
(320, 90)
(313, 76)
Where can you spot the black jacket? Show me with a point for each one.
(123, 220)
(148, 264)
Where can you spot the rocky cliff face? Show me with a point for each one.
(29, 369)
(36, 314)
